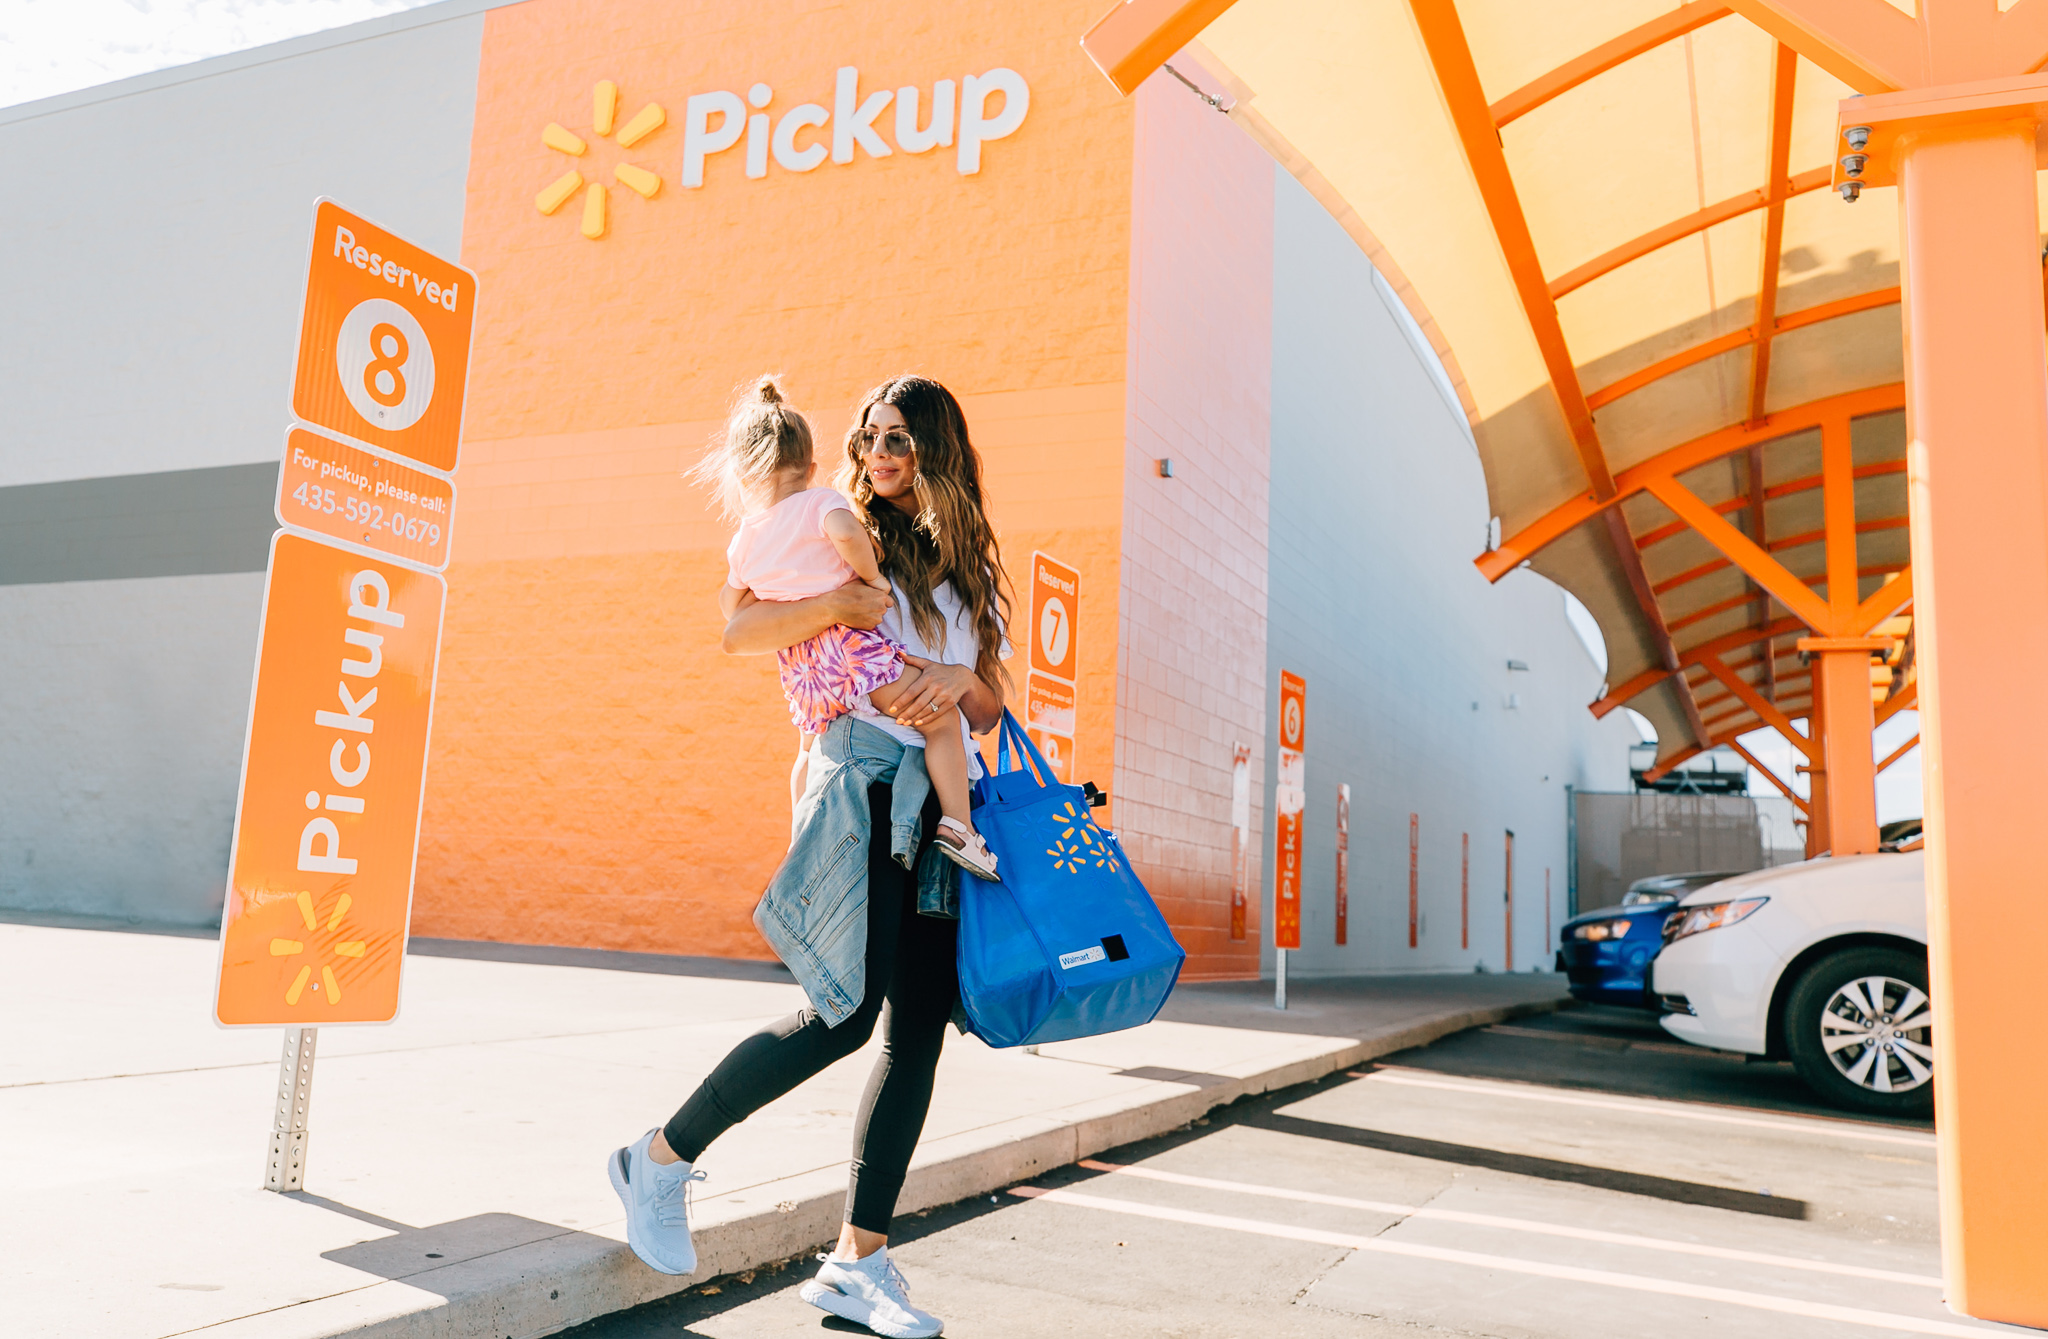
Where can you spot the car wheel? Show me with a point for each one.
(1859, 1028)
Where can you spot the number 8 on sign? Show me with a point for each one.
(385, 363)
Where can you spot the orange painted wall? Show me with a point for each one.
(602, 775)
(1192, 677)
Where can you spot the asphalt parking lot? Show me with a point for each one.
(1577, 1174)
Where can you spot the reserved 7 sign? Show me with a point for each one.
(327, 825)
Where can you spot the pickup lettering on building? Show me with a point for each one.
(990, 106)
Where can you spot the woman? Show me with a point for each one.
(916, 479)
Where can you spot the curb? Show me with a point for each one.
(547, 1284)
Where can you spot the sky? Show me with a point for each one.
(49, 47)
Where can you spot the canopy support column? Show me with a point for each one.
(1977, 422)
(1845, 783)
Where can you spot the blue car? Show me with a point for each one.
(1605, 954)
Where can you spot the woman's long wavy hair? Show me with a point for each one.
(949, 538)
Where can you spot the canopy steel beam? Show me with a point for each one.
(1450, 56)
(1688, 659)
(1784, 77)
(1637, 40)
(1753, 463)
(1699, 353)
(1443, 36)
(1783, 787)
(1804, 484)
(1707, 569)
(1875, 48)
(1752, 699)
(1561, 520)
(1900, 752)
(1734, 207)
(1135, 38)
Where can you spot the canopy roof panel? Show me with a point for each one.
(1614, 219)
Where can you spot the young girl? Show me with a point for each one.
(794, 542)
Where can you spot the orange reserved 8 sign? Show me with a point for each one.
(384, 340)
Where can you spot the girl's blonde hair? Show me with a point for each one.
(764, 436)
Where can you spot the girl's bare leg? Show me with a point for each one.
(945, 752)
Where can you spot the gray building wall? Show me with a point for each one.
(156, 231)
(1378, 508)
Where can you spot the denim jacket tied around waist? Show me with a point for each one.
(815, 912)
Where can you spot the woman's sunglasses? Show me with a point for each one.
(894, 443)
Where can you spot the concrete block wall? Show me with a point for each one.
(1191, 667)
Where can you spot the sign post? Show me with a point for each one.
(1049, 699)
(1343, 861)
(1289, 798)
(1240, 836)
(320, 873)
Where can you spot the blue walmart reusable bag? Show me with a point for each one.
(1069, 944)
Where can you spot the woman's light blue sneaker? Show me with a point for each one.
(870, 1291)
(657, 1206)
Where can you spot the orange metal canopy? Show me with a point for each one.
(1614, 220)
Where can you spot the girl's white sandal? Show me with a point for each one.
(966, 849)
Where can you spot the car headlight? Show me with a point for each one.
(1599, 930)
(1711, 916)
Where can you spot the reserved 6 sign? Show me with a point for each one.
(327, 824)
(384, 340)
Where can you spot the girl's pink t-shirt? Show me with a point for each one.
(782, 553)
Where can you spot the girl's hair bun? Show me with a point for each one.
(763, 435)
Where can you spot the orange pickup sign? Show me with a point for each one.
(320, 877)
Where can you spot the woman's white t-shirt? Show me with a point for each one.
(961, 648)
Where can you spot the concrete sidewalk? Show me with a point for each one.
(456, 1184)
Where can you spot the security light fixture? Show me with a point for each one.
(1165, 467)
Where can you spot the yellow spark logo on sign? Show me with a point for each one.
(1081, 844)
(348, 948)
(604, 100)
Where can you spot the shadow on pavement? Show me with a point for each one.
(1623, 1052)
(1548, 1169)
(412, 1251)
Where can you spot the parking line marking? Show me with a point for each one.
(1641, 1105)
(1790, 1306)
(1520, 1225)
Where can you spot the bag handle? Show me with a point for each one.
(1026, 748)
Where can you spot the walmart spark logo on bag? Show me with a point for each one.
(1080, 844)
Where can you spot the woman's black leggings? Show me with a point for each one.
(912, 984)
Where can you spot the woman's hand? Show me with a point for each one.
(943, 687)
(760, 627)
(858, 605)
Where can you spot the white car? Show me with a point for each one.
(1823, 963)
